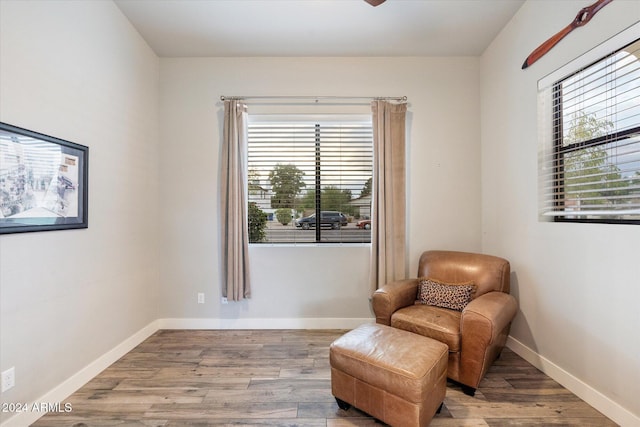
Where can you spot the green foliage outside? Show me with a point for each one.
(308, 200)
(332, 199)
(588, 175)
(257, 223)
(366, 189)
(253, 179)
(283, 215)
(286, 183)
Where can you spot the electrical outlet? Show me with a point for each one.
(8, 379)
(224, 300)
(200, 298)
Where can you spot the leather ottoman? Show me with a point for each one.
(393, 375)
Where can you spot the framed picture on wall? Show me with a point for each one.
(43, 182)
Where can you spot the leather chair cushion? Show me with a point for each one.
(438, 323)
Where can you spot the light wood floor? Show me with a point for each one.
(281, 378)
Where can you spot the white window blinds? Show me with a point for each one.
(303, 168)
(590, 159)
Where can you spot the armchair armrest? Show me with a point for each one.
(484, 329)
(393, 296)
(494, 309)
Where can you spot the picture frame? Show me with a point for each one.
(43, 182)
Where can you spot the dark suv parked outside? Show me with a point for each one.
(331, 219)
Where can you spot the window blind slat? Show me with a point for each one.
(591, 168)
(333, 161)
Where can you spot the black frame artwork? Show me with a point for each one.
(43, 182)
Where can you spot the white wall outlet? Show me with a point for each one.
(8, 379)
(200, 298)
(225, 300)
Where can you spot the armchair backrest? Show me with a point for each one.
(489, 273)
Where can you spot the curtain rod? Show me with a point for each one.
(317, 98)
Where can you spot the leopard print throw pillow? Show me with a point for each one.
(454, 296)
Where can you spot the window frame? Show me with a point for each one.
(560, 150)
(318, 121)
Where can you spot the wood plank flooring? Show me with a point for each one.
(282, 378)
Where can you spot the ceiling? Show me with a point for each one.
(204, 28)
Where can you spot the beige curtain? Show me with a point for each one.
(388, 234)
(234, 230)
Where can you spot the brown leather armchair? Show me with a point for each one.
(476, 335)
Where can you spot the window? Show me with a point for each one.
(309, 179)
(591, 170)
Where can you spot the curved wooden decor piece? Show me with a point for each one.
(584, 16)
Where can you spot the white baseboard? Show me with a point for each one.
(584, 391)
(73, 383)
(270, 323)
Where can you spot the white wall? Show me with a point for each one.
(577, 283)
(78, 71)
(443, 180)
